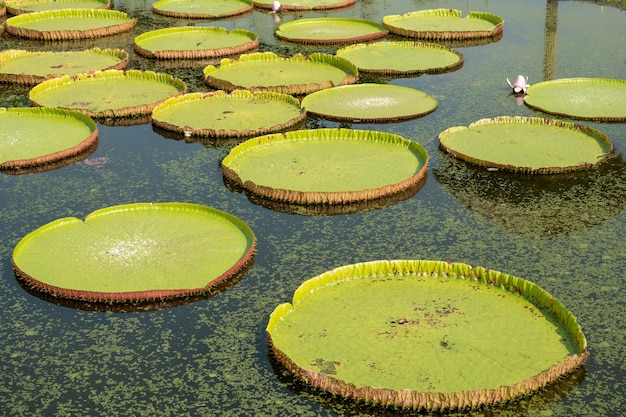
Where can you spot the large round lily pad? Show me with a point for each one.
(425, 335)
(330, 30)
(201, 9)
(599, 99)
(35, 139)
(16, 7)
(26, 67)
(54, 25)
(400, 58)
(193, 42)
(135, 252)
(238, 114)
(527, 145)
(291, 75)
(326, 166)
(108, 94)
(369, 103)
(444, 24)
(304, 4)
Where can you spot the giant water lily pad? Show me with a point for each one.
(135, 252)
(292, 75)
(201, 9)
(16, 7)
(400, 58)
(326, 166)
(54, 25)
(425, 335)
(330, 30)
(238, 114)
(444, 24)
(26, 67)
(304, 4)
(35, 139)
(108, 94)
(599, 99)
(369, 103)
(192, 42)
(527, 145)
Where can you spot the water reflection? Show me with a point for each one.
(542, 206)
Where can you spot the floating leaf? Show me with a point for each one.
(305, 4)
(330, 30)
(16, 7)
(201, 9)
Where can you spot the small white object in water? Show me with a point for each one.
(520, 85)
(276, 6)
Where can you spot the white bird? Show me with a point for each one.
(520, 85)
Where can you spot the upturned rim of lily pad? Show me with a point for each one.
(195, 237)
(272, 60)
(57, 157)
(33, 78)
(395, 25)
(343, 179)
(370, 103)
(240, 7)
(493, 151)
(16, 7)
(25, 25)
(396, 64)
(345, 30)
(252, 105)
(496, 284)
(118, 109)
(304, 5)
(594, 99)
(249, 41)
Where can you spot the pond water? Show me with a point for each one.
(210, 357)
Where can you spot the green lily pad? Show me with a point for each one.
(444, 24)
(598, 99)
(37, 139)
(326, 166)
(401, 58)
(135, 252)
(108, 94)
(369, 103)
(293, 5)
(238, 114)
(201, 9)
(16, 7)
(330, 30)
(26, 67)
(193, 42)
(291, 75)
(425, 335)
(527, 145)
(54, 25)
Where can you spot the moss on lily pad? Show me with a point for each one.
(426, 335)
(135, 252)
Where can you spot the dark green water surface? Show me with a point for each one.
(210, 357)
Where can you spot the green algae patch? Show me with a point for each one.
(597, 99)
(330, 30)
(193, 42)
(369, 103)
(27, 67)
(326, 166)
(425, 335)
(36, 139)
(444, 24)
(108, 94)
(201, 9)
(527, 145)
(16, 7)
(297, 75)
(219, 114)
(66, 24)
(402, 58)
(135, 252)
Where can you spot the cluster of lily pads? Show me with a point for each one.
(417, 310)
